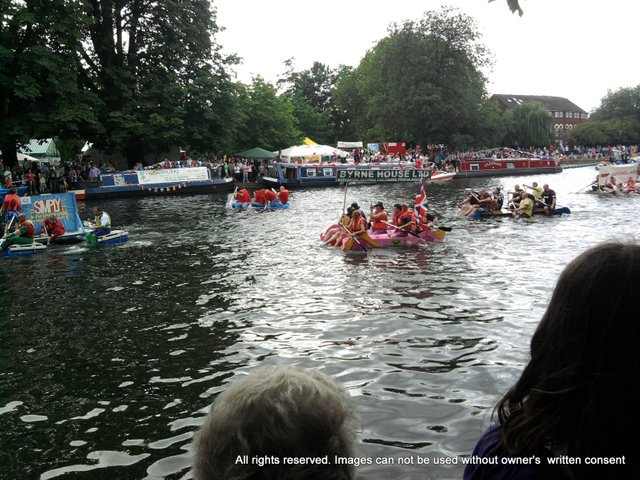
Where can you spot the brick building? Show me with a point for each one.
(565, 113)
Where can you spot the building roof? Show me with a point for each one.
(45, 147)
(553, 104)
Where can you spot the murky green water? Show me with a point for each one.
(110, 358)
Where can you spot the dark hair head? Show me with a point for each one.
(585, 360)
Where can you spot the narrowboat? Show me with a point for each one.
(332, 174)
(155, 182)
(493, 167)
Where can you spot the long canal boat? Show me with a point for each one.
(493, 167)
(331, 174)
(156, 182)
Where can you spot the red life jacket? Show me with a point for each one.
(269, 195)
(356, 225)
(55, 227)
(396, 218)
(377, 223)
(283, 195)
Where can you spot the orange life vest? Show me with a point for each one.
(283, 195)
(269, 195)
(378, 223)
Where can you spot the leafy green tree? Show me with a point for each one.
(39, 92)
(161, 78)
(422, 83)
(269, 120)
(623, 103)
(530, 125)
(310, 92)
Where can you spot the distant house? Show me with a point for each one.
(44, 150)
(565, 113)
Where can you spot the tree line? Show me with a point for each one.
(140, 76)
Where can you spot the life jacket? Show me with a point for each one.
(407, 217)
(260, 198)
(283, 195)
(356, 225)
(269, 195)
(396, 218)
(378, 223)
(243, 196)
(31, 231)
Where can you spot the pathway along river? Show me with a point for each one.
(111, 358)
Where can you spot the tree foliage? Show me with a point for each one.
(529, 126)
(161, 78)
(39, 91)
(269, 121)
(422, 83)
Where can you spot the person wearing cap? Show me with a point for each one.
(379, 218)
(355, 207)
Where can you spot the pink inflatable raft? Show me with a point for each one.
(383, 240)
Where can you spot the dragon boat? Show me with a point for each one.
(371, 240)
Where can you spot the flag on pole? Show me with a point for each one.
(421, 206)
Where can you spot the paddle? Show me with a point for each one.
(6, 231)
(355, 238)
(401, 230)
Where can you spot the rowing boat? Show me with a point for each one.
(370, 239)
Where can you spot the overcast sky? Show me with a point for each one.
(576, 49)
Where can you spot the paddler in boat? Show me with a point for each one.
(283, 195)
(101, 225)
(536, 190)
(355, 207)
(611, 186)
(23, 235)
(269, 197)
(335, 233)
(469, 204)
(53, 227)
(379, 218)
(243, 196)
(485, 201)
(358, 225)
(258, 197)
(498, 198)
(515, 197)
(397, 211)
(549, 199)
(525, 207)
(630, 186)
(407, 222)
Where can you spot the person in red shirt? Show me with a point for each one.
(53, 227)
(259, 197)
(270, 196)
(283, 195)
(31, 181)
(243, 196)
(11, 207)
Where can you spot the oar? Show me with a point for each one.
(401, 230)
(354, 237)
(7, 231)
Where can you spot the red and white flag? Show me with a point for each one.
(421, 206)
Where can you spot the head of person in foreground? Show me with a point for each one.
(287, 414)
(584, 364)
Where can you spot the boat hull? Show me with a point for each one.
(125, 191)
(486, 167)
(114, 238)
(23, 250)
(371, 240)
(478, 215)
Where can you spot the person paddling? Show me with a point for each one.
(102, 225)
(379, 218)
(23, 235)
(53, 227)
(11, 207)
(283, 195)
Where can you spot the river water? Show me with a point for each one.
(110, 358)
